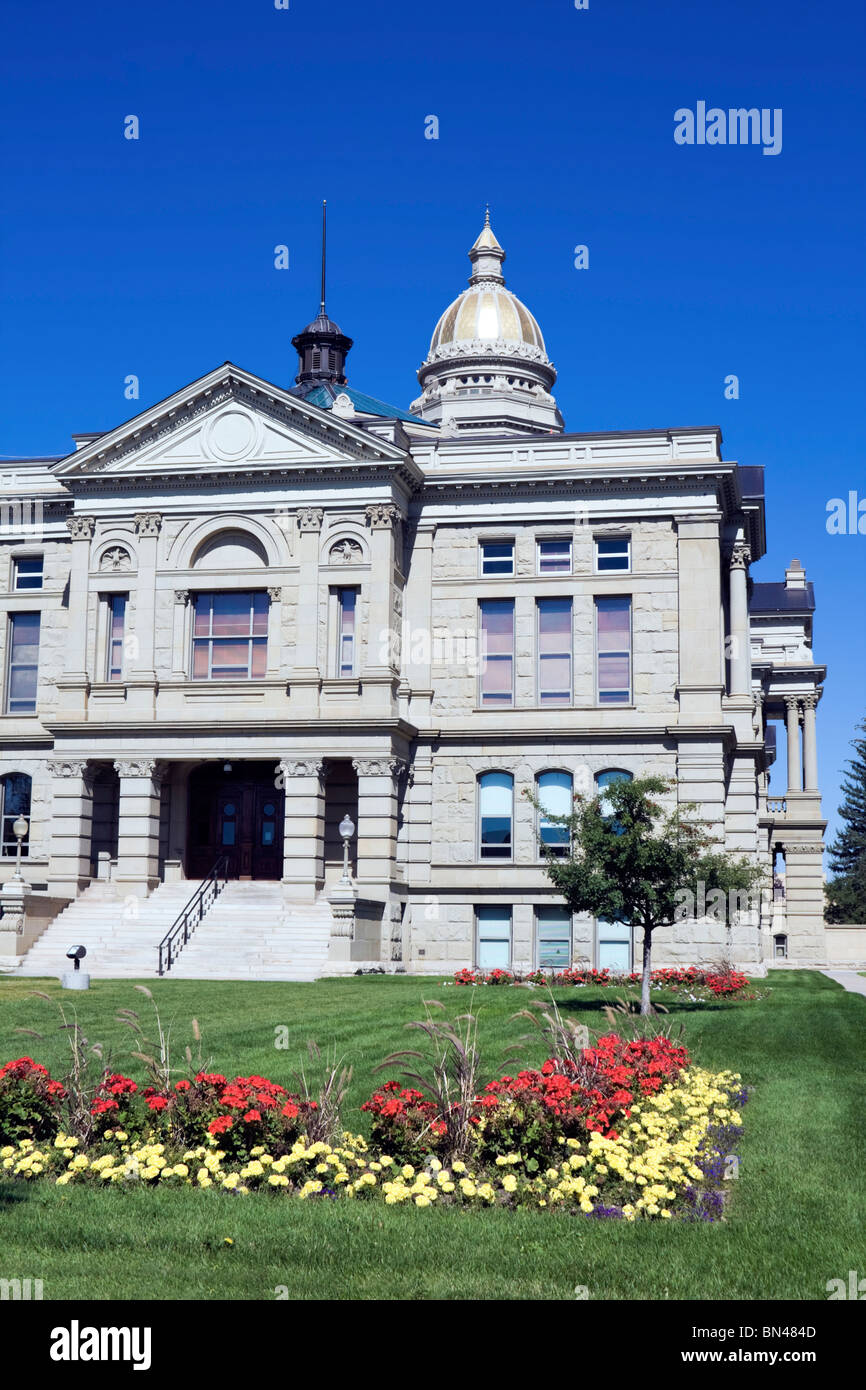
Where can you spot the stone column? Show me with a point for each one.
(304, 827)
(180, 658)
(141, 678)
(810, 743)
(795, 772)
(138, 824)
(741, 647)
(384, 520)
(81, 530)
(418, 621)
(73, 684)
(419, 849)
(700, 629)
(71, 825)
(275, 623)
(377, 824)
(305, 675)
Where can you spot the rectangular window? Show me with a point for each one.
(613, 650)
(493, 926)
(553, 937)
(347, 606)
(497, 651)
(230, 636)
(554, 557)
(554, 651)
(23, 665)
(614, 947)
(613, 553)
(116, 623)
(28, 572)
(497, 557)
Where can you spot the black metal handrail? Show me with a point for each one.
(189, 916)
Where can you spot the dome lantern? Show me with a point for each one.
(487, 370)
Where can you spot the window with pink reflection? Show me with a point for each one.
(554, 651)
(497, 651)
(230, 636)
(613, 650)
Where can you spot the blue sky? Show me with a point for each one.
(155, 257)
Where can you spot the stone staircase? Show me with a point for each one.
(249, 933)
(121, 935)
(252, 933)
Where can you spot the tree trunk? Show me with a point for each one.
(645, 1005)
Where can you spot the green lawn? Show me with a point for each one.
(796, 1220)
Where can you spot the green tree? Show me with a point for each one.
(846, 893)
(634, 862)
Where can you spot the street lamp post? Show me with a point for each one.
(347, 830)
(20, 826)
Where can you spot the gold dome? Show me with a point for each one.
(487, 311)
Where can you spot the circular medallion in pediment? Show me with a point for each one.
(232, 435)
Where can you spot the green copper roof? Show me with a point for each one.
(324, 394)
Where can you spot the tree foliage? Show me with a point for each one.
(634, 861)
(846, 893)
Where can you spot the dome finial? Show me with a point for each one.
(487, 255)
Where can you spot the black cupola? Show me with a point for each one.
(322, 348)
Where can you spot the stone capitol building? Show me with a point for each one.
(254, 613)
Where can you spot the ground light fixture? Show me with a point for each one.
(75, 978)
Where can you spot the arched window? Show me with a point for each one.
(231, 550)
(604, 780)
(495, 814)
(555, 796)
(14, 802)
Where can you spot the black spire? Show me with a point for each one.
(321, 347)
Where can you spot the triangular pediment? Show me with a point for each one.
(226, 421)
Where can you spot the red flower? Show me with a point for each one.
(252, 1117)
(290, 1110)
(156, 1102)
(220, 1124)
(101, 1107)
(182, 1086)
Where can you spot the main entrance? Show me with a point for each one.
(235, 810)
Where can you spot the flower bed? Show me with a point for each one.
(627, 1129)
(698, 984)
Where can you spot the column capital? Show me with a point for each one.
(301, 767)
(310, 518)
(141, 767)
(275, 594)
(810, 701)
(148, 523)
(181, 596)
(71, 767)
(793, 703)
(741, 556)
(380, 767)
(81, 528)
(383, 516)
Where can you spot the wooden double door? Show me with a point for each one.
(240, 814)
